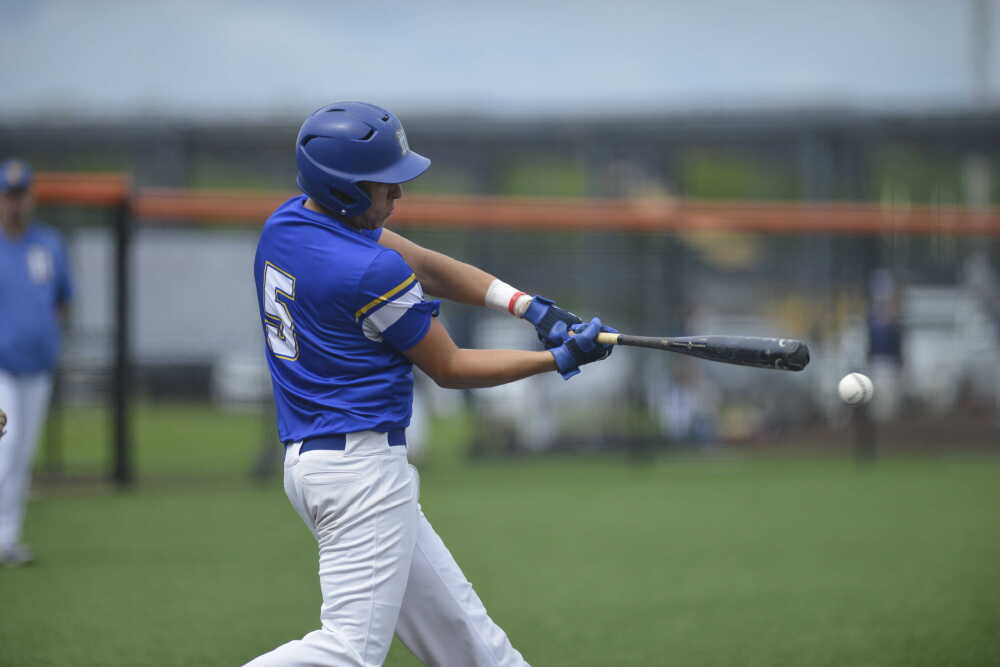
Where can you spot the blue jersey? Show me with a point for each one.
(34, 281)
(337, 310)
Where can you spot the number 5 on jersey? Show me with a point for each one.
(277, 320)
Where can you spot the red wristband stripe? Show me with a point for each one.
(513, 301)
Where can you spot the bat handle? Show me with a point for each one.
(605, 337)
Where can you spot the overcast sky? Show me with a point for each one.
(254, 58)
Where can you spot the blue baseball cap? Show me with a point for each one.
(15, 176)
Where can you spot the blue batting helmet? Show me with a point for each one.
(15, 176)
(345, 143)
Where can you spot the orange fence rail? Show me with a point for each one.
(152, 205)
(81, 189)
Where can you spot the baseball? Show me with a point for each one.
(856, 389)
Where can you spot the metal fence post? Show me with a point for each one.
(122, 473)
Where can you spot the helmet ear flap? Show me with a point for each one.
(345, 199)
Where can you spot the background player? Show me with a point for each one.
(344, 315)
(35, 289)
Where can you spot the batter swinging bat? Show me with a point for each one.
(783, 354)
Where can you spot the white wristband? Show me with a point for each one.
(501, 296)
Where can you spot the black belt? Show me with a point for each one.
(338, 441)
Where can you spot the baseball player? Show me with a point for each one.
(345, 318)
(35, 290)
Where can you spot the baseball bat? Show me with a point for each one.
(783, 354)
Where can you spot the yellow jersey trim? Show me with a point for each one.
(387, 296)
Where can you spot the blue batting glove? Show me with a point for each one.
(551, 322)
(581, 348)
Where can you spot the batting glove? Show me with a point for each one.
(551, 322)
(581, 348)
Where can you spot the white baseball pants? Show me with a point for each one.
(25, 399)
(382, 568)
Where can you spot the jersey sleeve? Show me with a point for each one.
(391, 305)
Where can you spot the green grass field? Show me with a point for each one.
(590, 561)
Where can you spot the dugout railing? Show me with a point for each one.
(128, 207)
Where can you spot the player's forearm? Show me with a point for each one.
(451, 279)
(448, 278)
(440, 275)
(470, 369)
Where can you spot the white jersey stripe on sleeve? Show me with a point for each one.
(389, 313)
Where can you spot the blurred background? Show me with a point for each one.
(824, 171)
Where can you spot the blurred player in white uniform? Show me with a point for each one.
(35, 290)
(344, 317)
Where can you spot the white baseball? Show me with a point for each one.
(856, 389)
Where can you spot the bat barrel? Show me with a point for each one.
(784, 354)
(798, 358)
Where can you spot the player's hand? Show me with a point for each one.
(551, 322)
(581, 348)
